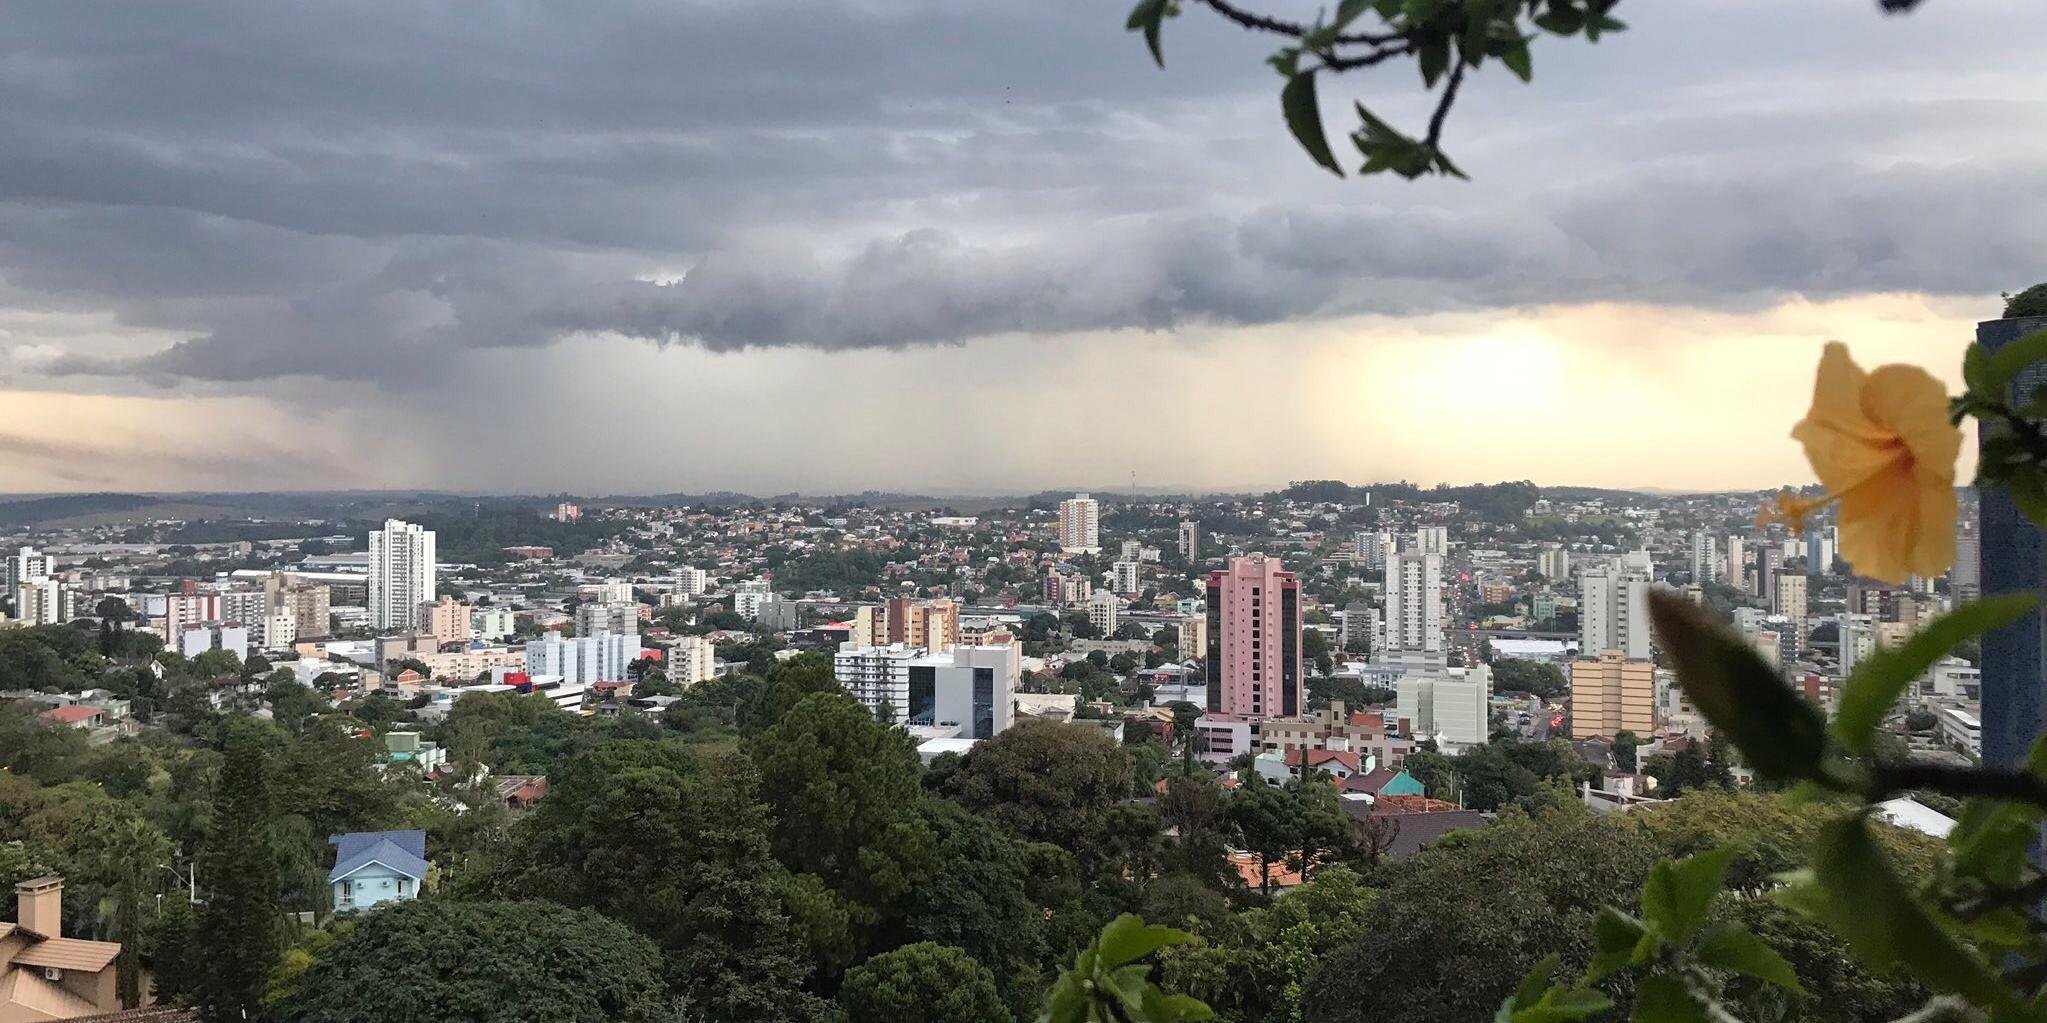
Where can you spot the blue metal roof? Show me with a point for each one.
(403, 851)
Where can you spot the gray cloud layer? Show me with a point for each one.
(367, 190)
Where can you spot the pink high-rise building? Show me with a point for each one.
(1254, 640)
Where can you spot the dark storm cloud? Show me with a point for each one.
(368, 190)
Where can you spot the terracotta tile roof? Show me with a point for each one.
(151, 1014)
(26, 995)
(72, 714)
(69, 954)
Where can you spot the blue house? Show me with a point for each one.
(375, 867)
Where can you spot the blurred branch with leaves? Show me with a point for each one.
(1884, 444)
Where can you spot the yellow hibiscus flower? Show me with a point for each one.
(1884, 449)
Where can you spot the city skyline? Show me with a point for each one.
(245, 265)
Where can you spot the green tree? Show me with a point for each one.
(1460, 922)
(458, 962)
(1046, 781)
(238, 931)
(1540, 678)
(1266, 821)
(922, 983)
(1624, 746)
(643, 832)
(1255, 968)
(841, 785)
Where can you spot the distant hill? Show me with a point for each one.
(31, 511)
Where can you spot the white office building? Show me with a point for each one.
(401, 574)
(492, 624)
(1613, 607)
(602, 657)
(970, 689)
(1451, 706)
(1080, 525)
(1413, 595)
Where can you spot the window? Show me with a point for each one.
(347, 890)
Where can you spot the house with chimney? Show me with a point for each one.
(47, 976)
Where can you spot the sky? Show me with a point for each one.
(968, 247)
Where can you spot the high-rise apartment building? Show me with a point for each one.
(931, 624)
(186, 609)
(1737, 562)
(41, 600)
(1612, 693)
(401, 573)
(1613, 607)
(603, 657)
(1966, 579)
(1788, 598)
(27, 564)
(1125, 575)
(1769, 561)
(1080, 525)
(446, 620)
(1432, 540)
(691, 581)
(310, 604)
(594, 617)
(1103, 611)
(1254, 639)
(1413, 595)
(1190, 541)
(1372, 548)
(1554, 562)
(1705, 558)
(691, 660)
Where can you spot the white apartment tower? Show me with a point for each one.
(1432, 540)
(1554, 562)
(401, 573)
(1190, 540)
(1414, 603)
(1613, 608)
(1126, 577)
(1705, 558)
(1080, 525)
(1102, 610)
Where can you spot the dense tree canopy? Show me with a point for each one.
(922, 983)
(482, 962)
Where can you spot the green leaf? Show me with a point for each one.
(2029, 492)
(1990, 840)
(1127, 938)
(1976, 370)
(1736, 949)
(1516, 59)
(1617, 936)
(1854, 890)
(1777, 731)
(1147, 16)
(1434, 59)
(2008, 362)
(1661, 999)
(1678, 893)
(1878, 681)
(1536, 982)
(1304, 119)
(1561, 1005)
(1560, 22)
(1349, 11)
